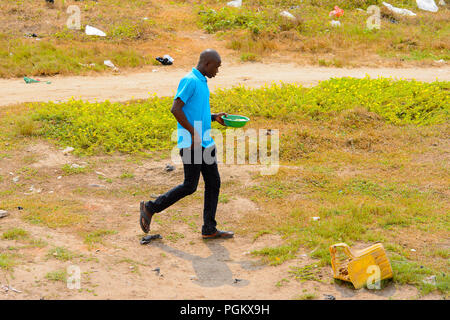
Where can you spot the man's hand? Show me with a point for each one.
(196, 141)
(218, 117)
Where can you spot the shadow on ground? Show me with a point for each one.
(212, 271)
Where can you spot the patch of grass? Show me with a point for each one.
(49, 211)
(175, 236)
(69, 169)
(96, 237)
(7, 261)
(127, 175)
(58, 275)
(61, 253)
(249, 57)
(408, 272)
(15, 234)
(308, 272)
(109, 127)
(306, 296)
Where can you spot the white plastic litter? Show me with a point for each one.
(442, 3)
(315, 218)
(427, 5)
(335, 23)
(91, 31)
(401, 11)
(110, 64)
(288, 15)
(168, 57)
(235, 3)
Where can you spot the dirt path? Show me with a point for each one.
(164, 81)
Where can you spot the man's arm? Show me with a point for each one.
(177, 111)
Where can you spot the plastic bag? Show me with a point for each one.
(91, 31)
(427, 5)
(235, 3)
(288, 15)
(401, 11)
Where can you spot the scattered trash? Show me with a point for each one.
(315, 218)
(329, 297)
(76, 166)
(3, 213)
(157, 270)
(59, 177)
(413, 250)
(304, 255)
(97, 186)
(31, 35)
(30, 80)
(400, 11)
(68, 150)
(294, 7)
(149, 238)
(154, 196)
(269, 132)
(355, 267)
(193, 278)
(16, 179)
(110, 64)
(442, 3)
(19, 208)
(154, 70)
(7, 288)
(237, 280)
(337, 12)
(169, 168)
(91, 31)
(361, 10)
(335, 23)
(427, 5)
(50, 1)
(288, 15)
(165, 60)
(33, 190)
(145, 18)
(440, 61)
(100, 173)
(235, 3)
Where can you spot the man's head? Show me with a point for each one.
(209, 63)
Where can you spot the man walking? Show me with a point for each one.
(197, 149)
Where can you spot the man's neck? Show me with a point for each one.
(199, 68)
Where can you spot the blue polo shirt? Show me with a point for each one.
(194, 92)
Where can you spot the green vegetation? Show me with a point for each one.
(96, 237)
(15, 234)
(58, 275)
(108, 127)
(61, 253)
(7, 261)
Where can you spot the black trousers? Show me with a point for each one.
(204, 162)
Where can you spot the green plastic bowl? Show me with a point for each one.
(235, 121)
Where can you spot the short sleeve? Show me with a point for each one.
(186, 89)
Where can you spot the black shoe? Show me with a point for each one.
(219, 235)
(145, 218)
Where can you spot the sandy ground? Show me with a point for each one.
(164, 81)
(170, 268)
(189, 268)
